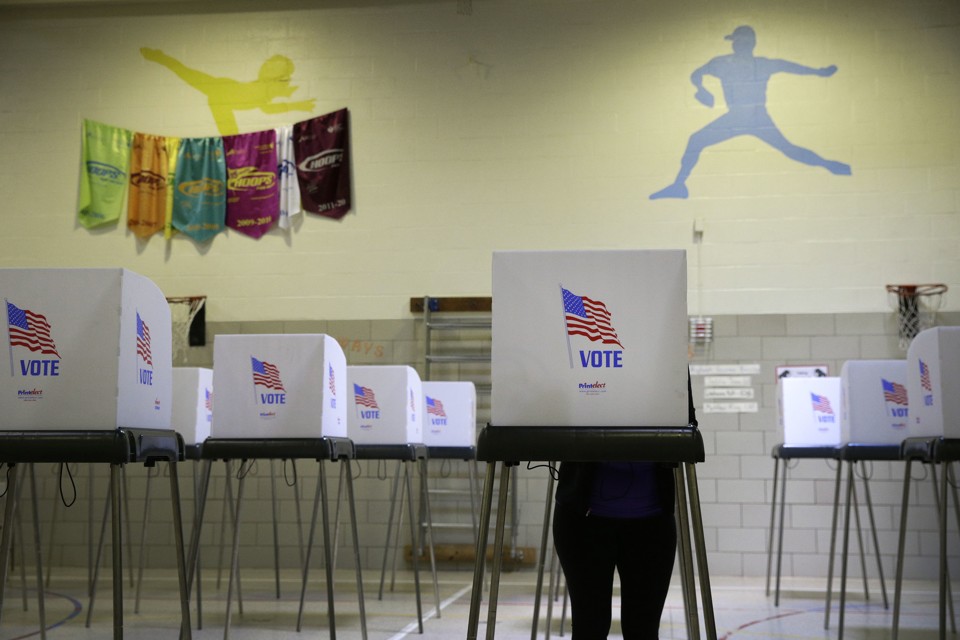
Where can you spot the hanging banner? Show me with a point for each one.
(173, 150)
(103, 176)
(287, 171)
(147, 200)
(322, 149)
(253, 202)
(200, 188)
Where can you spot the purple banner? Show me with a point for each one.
(322, 151)
(253, 197)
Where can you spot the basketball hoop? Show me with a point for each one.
(183, 311)
(916, 306)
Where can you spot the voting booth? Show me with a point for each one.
(278, 386)
(449, 414)
(85, 349)
(386, 405)
(810, 411)
(589, 338)
(589, 364)
(874, 402)
(192, 403)
(933, 382)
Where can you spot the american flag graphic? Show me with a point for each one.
(331, 381)
(208, 400)
(588, 317)
(821, 403)
(266, 375)
(925, 377)
(894, 392)
(143, 341)
(364, 396)
(435, 407)
(30, 330)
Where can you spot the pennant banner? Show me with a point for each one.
(200, 188)
(253, 199)
(105, 156)
(147, 200)
(322, 150)
(287, 171)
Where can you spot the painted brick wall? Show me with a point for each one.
(518, 125)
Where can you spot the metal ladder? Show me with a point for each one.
(466, 356)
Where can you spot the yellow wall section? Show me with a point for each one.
(523, 125)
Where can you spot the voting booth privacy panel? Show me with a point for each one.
(449, 414)
(875, 407)
(809, 411)
(192, 403)
(933, 382)
(278, 386)
(589, 339)
(386, 405)
(85, 349)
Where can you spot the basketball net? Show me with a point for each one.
(916, 306)
(182, 312)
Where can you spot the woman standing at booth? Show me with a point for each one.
(617, 516)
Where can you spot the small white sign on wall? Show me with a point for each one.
(727, 386)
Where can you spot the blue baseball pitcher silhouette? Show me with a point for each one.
(744, 78)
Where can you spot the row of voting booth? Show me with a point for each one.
(876, 410)
(878, 401)
(87, 376)
(589, 363)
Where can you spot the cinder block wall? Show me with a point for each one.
(735, 481)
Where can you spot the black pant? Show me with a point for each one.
(642, 551)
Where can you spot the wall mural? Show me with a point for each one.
(226, 96)
(744, 78)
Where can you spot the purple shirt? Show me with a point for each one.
(625, 490)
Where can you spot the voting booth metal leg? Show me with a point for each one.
(193, 564)
(944, 583)
(428, 517)
(6, 539)
(783, 508)
(12, 510)
(940, 497)
(483, 532)
(386, 545)
(320, 499)
(898, 579)
(39, 553)
(413, 542)
(54, 515)
(144, 523)
(182, 574)
(706, 592)
(117, 552)
(498, 551)
(773, 511)
(686, 558)
(107, 509)
(873, 531)
(356, 547)
(833, 544)
(275, 506)
(234, 553)
(544, 543)
(345, 478)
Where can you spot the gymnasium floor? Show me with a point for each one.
(742, 609)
